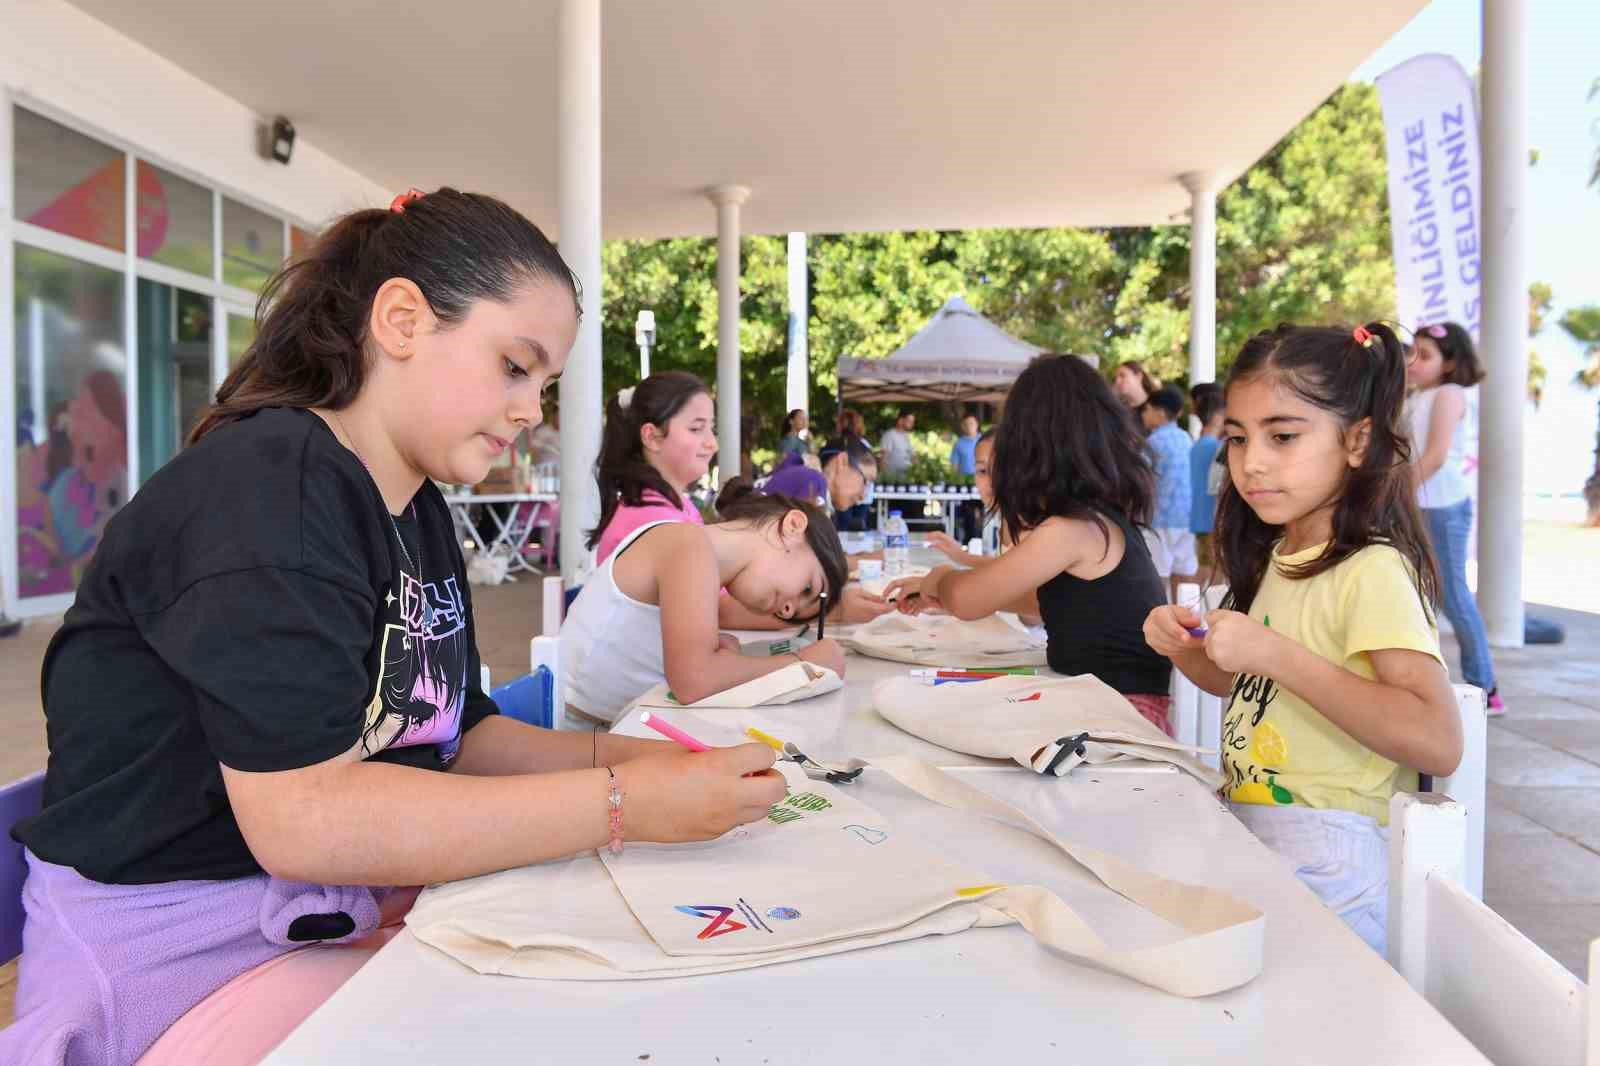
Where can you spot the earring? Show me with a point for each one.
(402, 344)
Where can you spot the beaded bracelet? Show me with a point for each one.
(614, 799)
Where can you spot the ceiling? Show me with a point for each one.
(840, 115)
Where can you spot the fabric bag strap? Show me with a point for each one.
(1224, 942)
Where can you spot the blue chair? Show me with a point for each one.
(18, 800)
(530, 698)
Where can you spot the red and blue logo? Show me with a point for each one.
(721, 919)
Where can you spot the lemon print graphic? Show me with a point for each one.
(1268, 746)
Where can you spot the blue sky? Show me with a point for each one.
(1564, 213)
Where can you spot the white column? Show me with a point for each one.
(799, 384)
(1504, 333)
(1202, 276)
(578, 193)
(728, 199)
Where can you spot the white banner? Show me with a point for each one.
(1430, 118)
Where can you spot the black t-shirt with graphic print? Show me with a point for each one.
(249, 606)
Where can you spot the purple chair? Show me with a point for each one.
(18, 800)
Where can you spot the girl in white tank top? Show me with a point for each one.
(650, 612)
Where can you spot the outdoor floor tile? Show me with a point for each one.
(1539, 868)
(1563, 930)
(1571, 812)
(1517, 761)
(1576, 736)
(1503, 820)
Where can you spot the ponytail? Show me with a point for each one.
(1355, 375)
(310, 345)
(623, 472)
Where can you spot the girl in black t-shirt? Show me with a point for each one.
(1073, 488)
(264, 706)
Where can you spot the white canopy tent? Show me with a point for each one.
(959, 355)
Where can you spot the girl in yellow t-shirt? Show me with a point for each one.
(1326, 645)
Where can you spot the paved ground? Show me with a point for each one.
(1542, 855)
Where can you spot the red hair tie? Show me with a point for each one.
(398, 204)
(1363, 336)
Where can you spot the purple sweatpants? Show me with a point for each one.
(106, 969)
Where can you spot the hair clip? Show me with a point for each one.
(1363, 336)
(398, 204)
(625, 397)
(1436, 332)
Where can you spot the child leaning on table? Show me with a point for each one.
(1326, 645)
(264, 706)
(1072, 486)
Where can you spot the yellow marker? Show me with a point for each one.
(772, 742)
(977, 890)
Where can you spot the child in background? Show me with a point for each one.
(659, 438)
(270, 664)
(1325, 646)
(1205, 474)
(955, 551)
(650, 612)
(1171, 541)
(1445, 366)
(1070, 481)
(658, 441)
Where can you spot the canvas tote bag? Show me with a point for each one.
(1048, 724)
(943, 640)
(797, 681)
(823, 874)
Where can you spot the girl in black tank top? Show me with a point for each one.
(1069, 469)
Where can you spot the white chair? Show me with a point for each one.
(1468, 786)
(1514, 1002)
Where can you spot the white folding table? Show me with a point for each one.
(985, 995)
(503, 507)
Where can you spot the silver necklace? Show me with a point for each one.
(427, 607)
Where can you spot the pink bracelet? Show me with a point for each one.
(614, 799)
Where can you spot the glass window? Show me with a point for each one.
(72, 441)
(68, 182)
(252, 245)
(174, 220)
(241, 331)
(174, 369)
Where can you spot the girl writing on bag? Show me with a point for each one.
(1072, 485)
(1325, 646)
(264, 706)
(650, 612)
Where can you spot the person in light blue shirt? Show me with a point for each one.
(1171, 541)
(964, 453)
(964, 458)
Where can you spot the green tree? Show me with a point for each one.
(1582, 324)
(1539, 297)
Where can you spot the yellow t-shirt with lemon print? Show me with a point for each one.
(1276, 747)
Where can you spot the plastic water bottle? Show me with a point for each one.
(896, 546)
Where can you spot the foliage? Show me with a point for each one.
(1582, 324)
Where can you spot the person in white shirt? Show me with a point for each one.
(896, 445)
(1443, 367)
